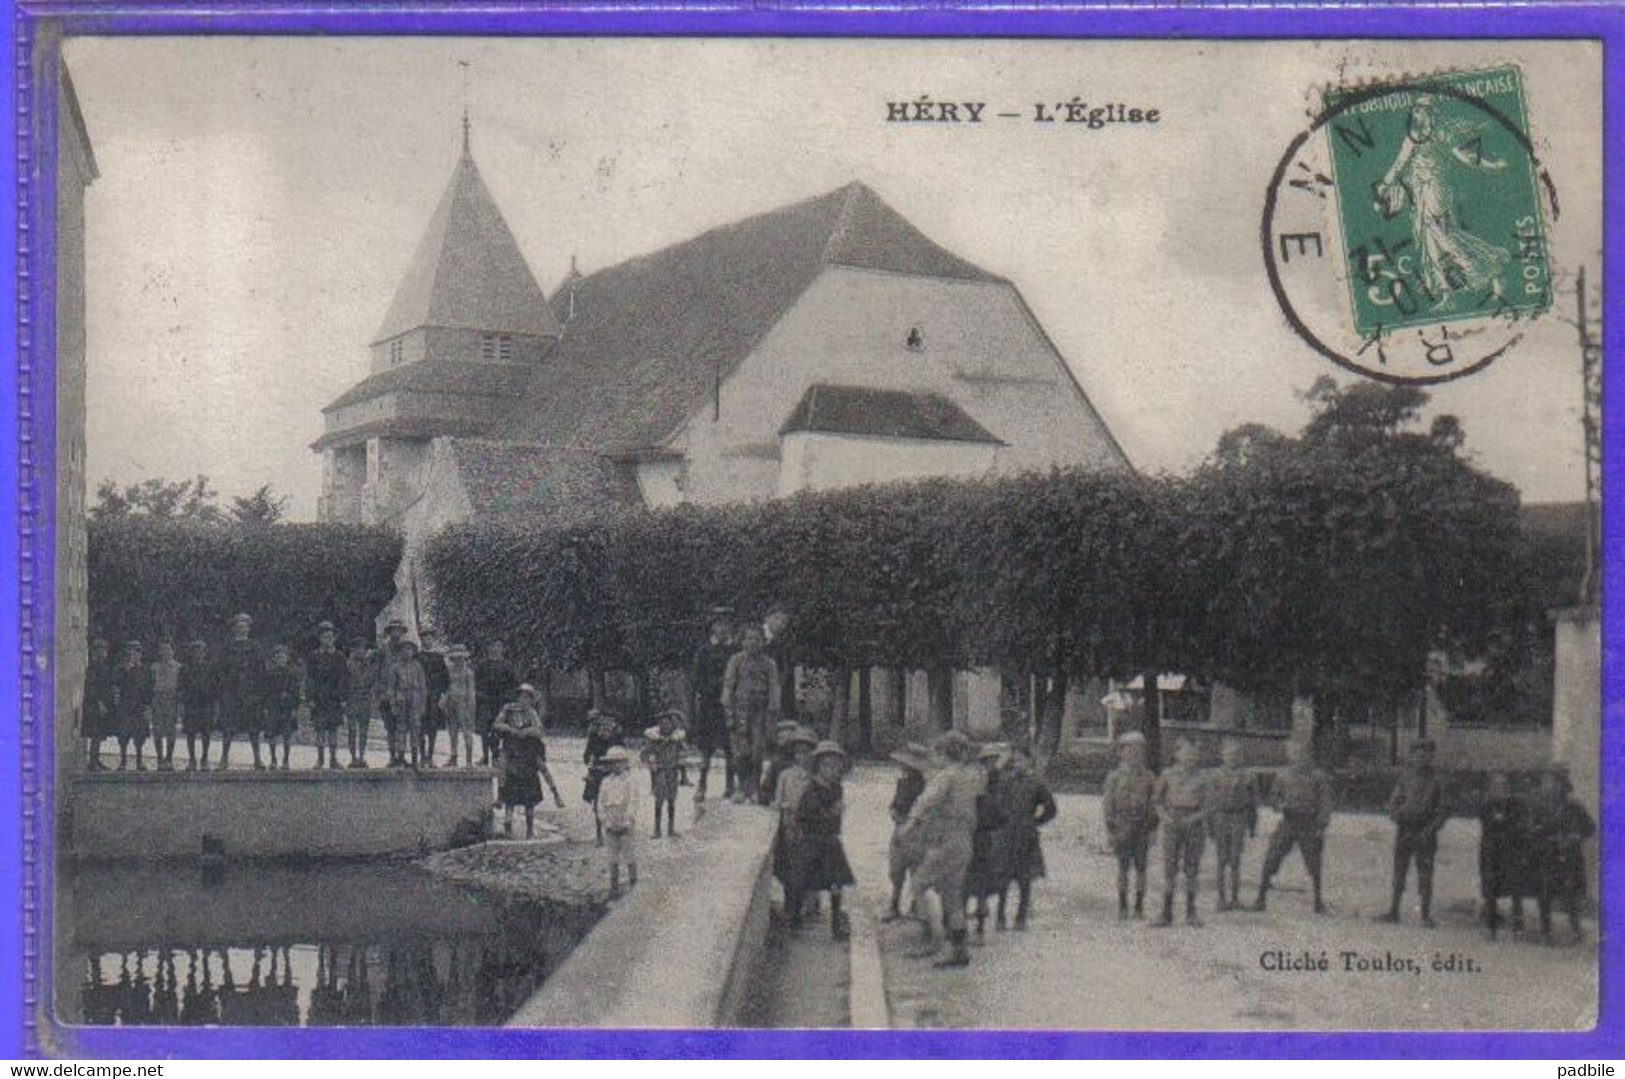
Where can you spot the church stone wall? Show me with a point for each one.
(977, 344)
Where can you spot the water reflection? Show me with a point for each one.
(410, 983)
(336, 946)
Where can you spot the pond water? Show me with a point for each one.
(353, 945)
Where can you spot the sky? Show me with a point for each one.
(260, 198)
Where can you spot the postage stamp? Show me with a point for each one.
(781, 537)
(1424, 202)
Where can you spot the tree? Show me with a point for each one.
(263, 507)
(1338, 561)
(159, 499)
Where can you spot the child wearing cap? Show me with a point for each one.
(198, 689)
(619, 817)
(663, 748)
(132, 689)
(458, 703)
(821, 862)
(405, 695)
(1559, 830)
(1181, 800)
(1417, 809)
(166, 707)
(242, 690)
(1126, 805)
(282, 692)
(901, 855)
(793, 781)
(524, 760)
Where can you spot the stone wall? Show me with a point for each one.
(151, 816)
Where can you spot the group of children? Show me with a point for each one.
(245, 690)
(966, 823)
(1531, 845)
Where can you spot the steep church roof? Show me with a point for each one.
(468, 272)
(863, 410)
(649, 338)
(540, 482)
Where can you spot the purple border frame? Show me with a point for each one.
(25, 794)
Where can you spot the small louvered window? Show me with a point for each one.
(496, 347)
(915, 341)
(397, 351)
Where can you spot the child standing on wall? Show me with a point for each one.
(664, 746)
(619, 817)
(458, 703)
(281, 702)
(166, 708)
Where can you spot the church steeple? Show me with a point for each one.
(468, 272)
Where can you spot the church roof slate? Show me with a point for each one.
(650, 338)
(468, 272)
(462, 377)
(540, 482)
(862, 410)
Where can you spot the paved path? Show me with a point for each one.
(1078, 967)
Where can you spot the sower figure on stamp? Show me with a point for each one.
(1234, 817)
(750, 696)
(1304, 796)
(166, 705)
(242, 690)
(360, 698)
(1417, 809)
(902, 856)
(132, 686)
(1028, 806)
(327, 675)
(1181, 801)
(1130, 819)
(96, 720)
(1503, 861)
(708, 722)
(942, 824)
(199, 693)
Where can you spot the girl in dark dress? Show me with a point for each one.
(524, 760)
(133, 689)
(989, 869)
(1028, 805)
(822, 863)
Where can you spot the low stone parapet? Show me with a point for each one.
(679, 950)
(155, 816)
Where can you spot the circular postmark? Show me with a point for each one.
(1405, 231)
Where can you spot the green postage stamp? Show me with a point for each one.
(1438, 201)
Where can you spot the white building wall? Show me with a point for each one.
(815, 461)
(981, 348)
(661, 482)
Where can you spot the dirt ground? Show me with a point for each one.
(1078, 967)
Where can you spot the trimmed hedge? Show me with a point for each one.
(155, 580)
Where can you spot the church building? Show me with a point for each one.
(825, 343)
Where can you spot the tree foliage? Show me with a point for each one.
(158, 578)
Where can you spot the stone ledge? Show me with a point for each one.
(146, 817)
